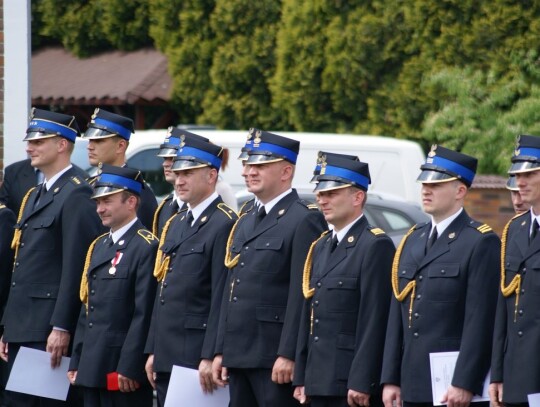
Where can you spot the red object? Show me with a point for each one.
(112, 381)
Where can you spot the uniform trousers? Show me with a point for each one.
(328, 401)
(162, 385)
(95, 397)
(255, 388)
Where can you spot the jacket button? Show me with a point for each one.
(340, 283)
(416, 314)
(316, 339)
(165, 285)
(235, 299)
(162, 302)
(173, 254)
(276, 317)
(94, 276)
(90, 324)
(247, 247)
(242, 264)
(522, 291)
(416, 335)
(420, 277)
(267, 244)
(204, 325)
(520, 333)
(22, 244)
(443, 271)
(92, 292)
(319, 284)
(520, 312)
(48, 294)
(237, 281)
(17, 264)
(91, 307)
(419, 296)
(403, 271)
(316, 303)
(316, 321)
(13, 284)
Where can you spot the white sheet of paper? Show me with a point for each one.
(442, 371)
(534, 400)
(32, 374)
(185, 390)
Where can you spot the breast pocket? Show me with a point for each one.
(342, 294)
(406, 273)
(43, 231)
(443, 282)
(113, 283)
(193, 257)
(266, 257)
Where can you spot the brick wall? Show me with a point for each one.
(490, 205)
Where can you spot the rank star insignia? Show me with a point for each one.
(523, 223)
(451, 235)
(281, 212)
(121, 242)
(204, 218)
(350, 239)
(56, 190)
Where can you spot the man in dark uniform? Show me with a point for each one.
(108, 138)
(19, 177)
(262, 304)
(56, 224)
(347, 289)
(253, 202)
(444, 278)
(515, 370)
(117, 291)
(168, 150)
(190, 271)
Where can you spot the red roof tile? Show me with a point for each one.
(118, 77)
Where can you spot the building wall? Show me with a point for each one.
(490, 205)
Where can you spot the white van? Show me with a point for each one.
(394, 164)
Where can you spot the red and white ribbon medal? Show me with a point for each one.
(114, 262)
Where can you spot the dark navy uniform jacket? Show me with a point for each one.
(517, 330)
(19, 177)
(453, 308)
(186, 309)
(165, 210)
(47, 273)
(342, 329)
(7, 222)
(111, 337)
(263, 299)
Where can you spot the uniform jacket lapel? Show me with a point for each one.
(342, 249)
(104, 252)
(202, 220)
(521, 239)
(442, 244)
(271, 219)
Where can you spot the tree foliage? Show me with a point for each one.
(459, 72)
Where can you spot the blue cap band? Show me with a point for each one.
(317, 168)
(273, 148)
(188, 151)
(121, 181)
(358, 179)
(115, 127)
(66, 132)
(454, 167)
(173, 141)
(529, 151)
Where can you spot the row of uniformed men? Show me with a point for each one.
(247, 322)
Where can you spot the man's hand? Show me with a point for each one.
(3, 350)
(125, 384)
(457, 397)
(220, 375)
(57, 346)
(150, 374)
(496, 394)
(390, 394)
(205, 376)
(72, 376)
(357, 398)
(300, 394)
(283, 370)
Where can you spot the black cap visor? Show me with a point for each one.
(93, 133)
(523, 166)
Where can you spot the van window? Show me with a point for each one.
(150, 165)
(395, 221)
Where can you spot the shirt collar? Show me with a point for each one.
(49, 183)
(269, 205)
(200, 208)
(116, 235)
(441, 226)
(533, 217)
(341, 234)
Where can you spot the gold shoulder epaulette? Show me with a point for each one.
(76, 180)
(147, 235)
(226, 210)
(2, 206)
(312, 206)
(484, 228)
(377, 231)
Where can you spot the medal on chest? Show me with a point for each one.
(114, 263)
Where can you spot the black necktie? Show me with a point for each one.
(534, 230)
(174, 206)
(333, 243)
(431, 239)
(189, 219)
(41, 190)
(260, 215)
